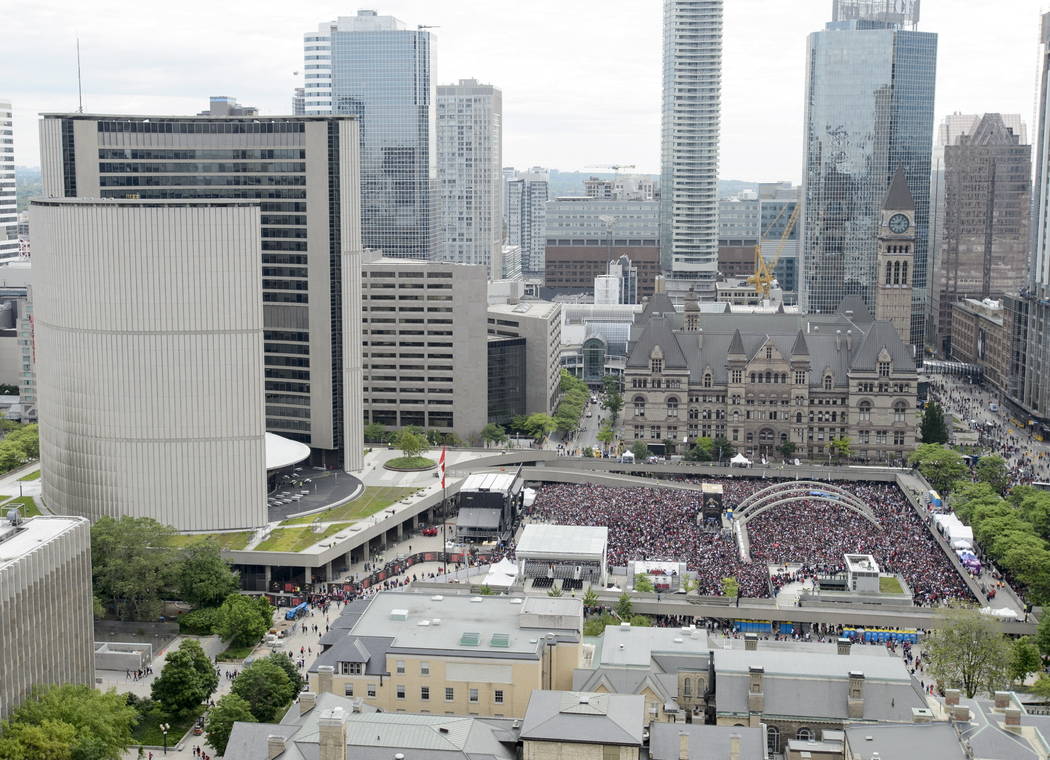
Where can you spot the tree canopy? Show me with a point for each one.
(493, 433)
(940, 465)
(266, 688)
(412, 444)
(540, 425)
(992, 469)
(186, 680)
(934, 429)
(243, 620)
(967, 651)
(204, 577)
(219, 724)
(131, 563)
(640, 449)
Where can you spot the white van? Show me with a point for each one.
(993, 407)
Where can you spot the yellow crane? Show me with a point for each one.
(763, 277)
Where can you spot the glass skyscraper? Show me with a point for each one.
(377, 69)
(869, 109)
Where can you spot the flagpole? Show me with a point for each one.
(444, 515)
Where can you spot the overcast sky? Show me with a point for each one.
(580, 78)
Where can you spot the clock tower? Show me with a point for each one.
(895, 265)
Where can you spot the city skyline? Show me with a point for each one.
(566, 125)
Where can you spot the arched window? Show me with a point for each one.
(900, 409)
(769, 376)
(889, 271)
(783, 378)
(707, 379)
(773, 740)
(896, 273)
(904, 273)
(672, 407)
(694, 413)
(864, 407)
(639, 406)
(752, 377)
(828, 380)
(736, 415)
(798, 418)
(805, 734)
(687, 687)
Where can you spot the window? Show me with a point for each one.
(904, 273)
(738, 376)
(898, 438)
(828, 380)
(400, 667)
(350, 668)
(473, 695)
(707, 379)
(805, 734)
(639, 406)
(657, 366)
(672, 407)
(497, 696)
(424, 693)
(889, 272)
(424, 668)
(610, 752)
(769, 352)
(371, 689)
(773, 740)
(884, 369)
(865, 411)
(687, 687)
(399, 691)
(348, 690)
(450, 694)
(899, 410)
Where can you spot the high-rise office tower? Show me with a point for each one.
(984, 245)
(470, 172)
(299, 101)
(869, 109)
(1040, 272)
(304, 172)
(377, 69)
(692, 85)
(8, 207)
(525, 214)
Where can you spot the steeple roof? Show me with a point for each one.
(736, 346)
(800, 348)
(899, 197)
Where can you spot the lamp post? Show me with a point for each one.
(164, 728)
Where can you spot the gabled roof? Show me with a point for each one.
(569, 716)
(991, 130)
(658, 333)
(658, 303)
(736, 346)
(799, 348)
(856, 304)
(899, 197)
(882, 335)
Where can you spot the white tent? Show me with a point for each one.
(1005, 612)
(502, 574)
(528, 497)
(741, 460)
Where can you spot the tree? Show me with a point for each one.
(26, 438)
(941, 466)
(840, 449)
(1042, 636)
(187, 679)
(788, 448)
(376, 433)
(241, 622)
(703, 450)
(967, 651)
(265, 687)
(611, 384)
(623, 607)
(606, 435)
(131, 562)
(993, 471)
(285, 663)
(934, 429)
(493, 433)
(540, 425)
(219, 724)
(204, 578)
(1024, 659)
(614, 403)
(554, 591)
(641, 621)
(722, 450)
(590, 599)
(640, 450)
(730, 587)
(411, 444)
(69, 721)
(643, 583)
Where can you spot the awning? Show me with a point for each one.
(478, 517)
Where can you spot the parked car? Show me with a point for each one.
(429, 531)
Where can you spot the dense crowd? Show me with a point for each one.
(660, 523)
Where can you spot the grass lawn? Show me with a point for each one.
(147, 732)
(34, 475)
(411, 463)
(889, 585)
(27, 503)
(237, 540)
(235, 653)
(371, 501)
(296, 539)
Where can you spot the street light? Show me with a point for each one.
(164, 728)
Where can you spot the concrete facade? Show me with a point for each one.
(151, 404)
(304, 171)
(539, 322)
(45, 606)
(9, 248)
(525, 197)
(470, 176)
(425, 346)
(979, 337)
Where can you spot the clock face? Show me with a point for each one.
(899, 224)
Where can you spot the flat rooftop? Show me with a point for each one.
(635, 646)
(501, 482)
(479, 625)
(544, 540)
(811, 664)
(16, 542)
(528, 309)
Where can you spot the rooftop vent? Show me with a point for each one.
(470, 639)
(517, 600)
(625, 626)
(475, 599)
(423, 622)
(442, 729)
(678, 639)
(436, 598)
(399, 614)
(584, 699)
(500, 640)
(435, 621)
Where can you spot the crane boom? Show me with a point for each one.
(763, 278)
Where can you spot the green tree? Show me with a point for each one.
(787, 449)
(703, 450)
(934, 429)
(606, 435)
(554, 591)
(596, 624)
(611, 384)
(722, 450)
(643, 583)
(241, 622)
(11, 456)
(131, 563)
(840, 449)
(493, 433)
(186, 680)
(228, 710)
(590, 599)
(411, 444)
(204, 578)
(966, 650)
(68, 721)
(540, 425)
(376, 433)
(266, 688)
(1024, 658)
(641, 621)
(614, 403)
(284, 662)
(623, 606)
(1042, 636)
(27, 438)
(730, 587)
(993, 470)
(941, 466)
(640, 450)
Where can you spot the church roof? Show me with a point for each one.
(899, 197)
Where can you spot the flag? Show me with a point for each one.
(441, 463)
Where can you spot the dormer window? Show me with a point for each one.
(769, 352)
(656, 366)
(828, 380)
(884, 369)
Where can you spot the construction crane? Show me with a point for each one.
(763, 277)
(614, 167)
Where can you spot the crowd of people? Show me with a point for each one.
(661, 524)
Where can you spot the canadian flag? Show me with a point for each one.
(441, 462)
